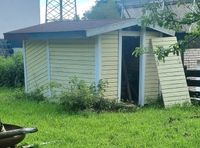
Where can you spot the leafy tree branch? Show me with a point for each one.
(156, 14)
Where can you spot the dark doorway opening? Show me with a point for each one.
(130, 70)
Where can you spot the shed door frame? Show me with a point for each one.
(25, 66)
(142, 61)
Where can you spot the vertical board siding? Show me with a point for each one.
(36, 64)
(110, 61)
(151, 74)
(171, 74)
(72, 58)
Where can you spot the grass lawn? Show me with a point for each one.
(147, 127)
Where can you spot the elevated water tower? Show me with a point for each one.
(60, 10)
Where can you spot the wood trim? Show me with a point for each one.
(111, 27)
(130, 33)
(49, 68)
(142, 69)
(98, 59)
(125, 24)
(25, 66)
(119, 64)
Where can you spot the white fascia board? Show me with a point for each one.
(119, 64)
(125, 24)
(142, 69)
(130, 33)
(25, 66)
(98, 59)
(49, 67)
(111, 27)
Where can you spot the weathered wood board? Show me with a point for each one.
(171, 74)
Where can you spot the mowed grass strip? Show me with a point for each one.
(147, 127)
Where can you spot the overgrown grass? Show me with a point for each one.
(147, 127)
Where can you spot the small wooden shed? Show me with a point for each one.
(94, 50)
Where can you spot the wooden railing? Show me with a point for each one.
(193, 82)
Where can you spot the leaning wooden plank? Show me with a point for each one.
(171, 75)
(177, 102)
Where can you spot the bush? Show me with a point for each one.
(12, 71)
(79, 96)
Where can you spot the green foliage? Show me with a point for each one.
(104, 9)
(79, 96)
(12, 71)
(160, 52)
(156, 14)
(36, 95)
(139, 51)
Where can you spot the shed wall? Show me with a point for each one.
(36, 64)
(68, 58)
(110, 61)
(152, 87)
(72, 58)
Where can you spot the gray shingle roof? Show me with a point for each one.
(66, 26)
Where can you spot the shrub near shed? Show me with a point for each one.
(80, 96)
(12, 71)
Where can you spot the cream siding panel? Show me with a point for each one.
(36, 64)
(173, 85)
(109, 44)
(72, 58)
(151, 73)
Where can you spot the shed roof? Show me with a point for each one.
(61, 26)
(76, 29)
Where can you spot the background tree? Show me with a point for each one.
(103, 9)
(156, 14)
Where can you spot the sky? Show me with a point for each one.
(82, 6)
